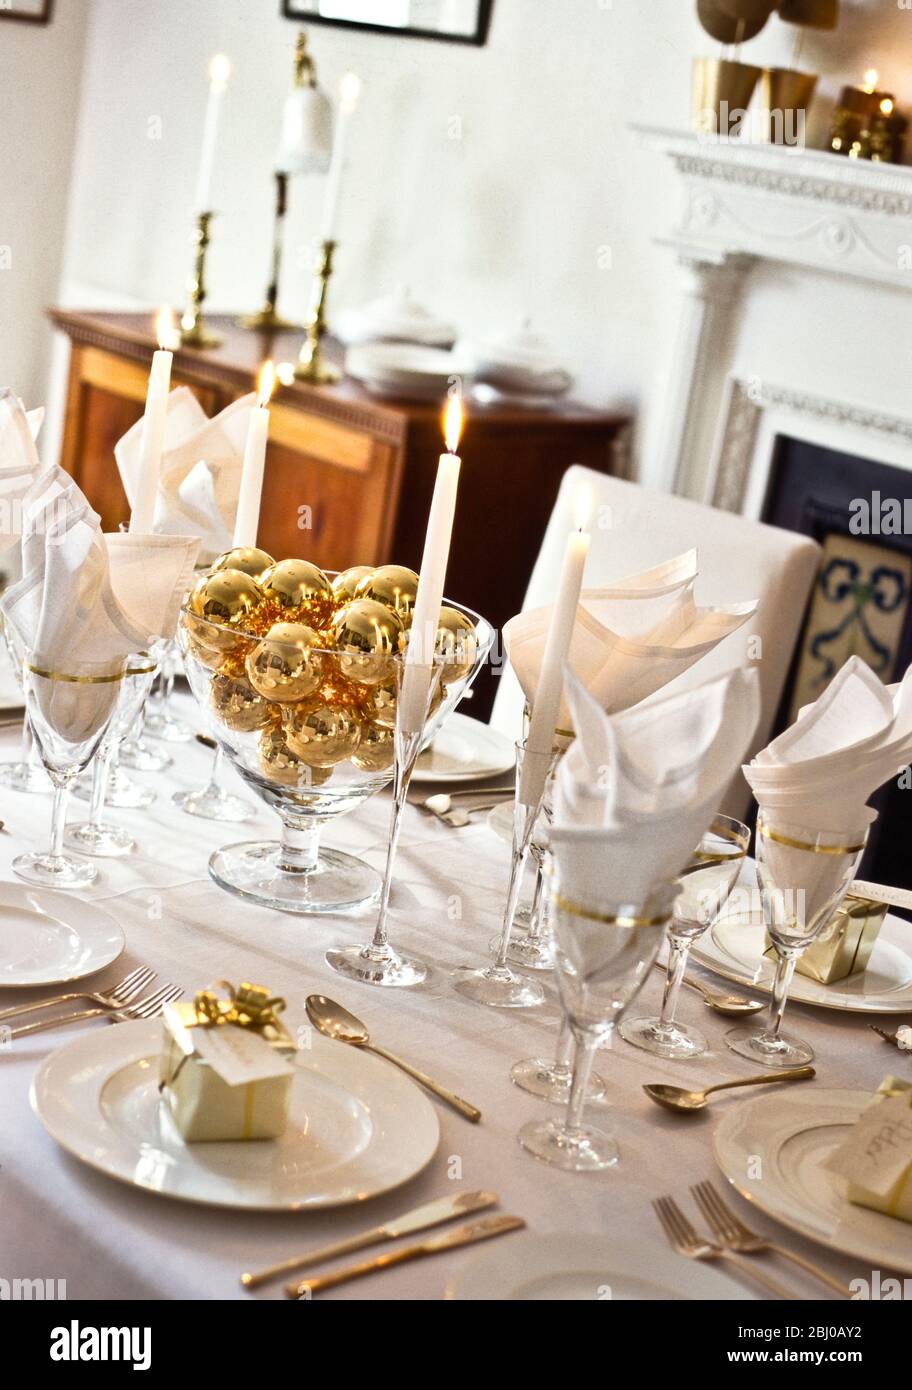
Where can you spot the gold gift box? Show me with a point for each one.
(203, 1106)
(845, 945)
(898, 1200)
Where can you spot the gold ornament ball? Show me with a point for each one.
(237, 704)
(296, 583)
(222, 600)
(393, 585)
(283, 666)
(376, 750)
(321, 735)
(280, 765)
(456, 643)
(201, 651)
(345, 584)
(366, 634)
(247, 559)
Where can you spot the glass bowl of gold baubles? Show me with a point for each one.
(296, 669)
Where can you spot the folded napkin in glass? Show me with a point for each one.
(200, 471)
(227, 1064)
(630, 640)
(876, 1156)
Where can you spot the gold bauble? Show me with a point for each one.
(345, 584)
(280, 765)
(247, 560)
(366, 635)
(456, 643)
(284, 666)
(201, 651)
(393, 585)
(376, 750)
(321, 735)
(296, 583)
(237, 704)
(227, 599)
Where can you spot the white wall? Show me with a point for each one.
(490, 180)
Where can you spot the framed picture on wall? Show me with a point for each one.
(453, 21)
(28, 11)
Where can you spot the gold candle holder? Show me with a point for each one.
(193, 330)
(268, 319)
(310, 365)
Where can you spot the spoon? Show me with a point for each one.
(441, 803)
(729, 1004)
(336, 1022)
(679, 1098)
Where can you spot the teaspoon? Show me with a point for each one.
(679, 1098)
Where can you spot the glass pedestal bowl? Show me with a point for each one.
(319, 751)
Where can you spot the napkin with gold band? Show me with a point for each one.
(876, 1155)
(629, 640)
(201, 469)
(844, 946)
(226, 1065)
(19, 462)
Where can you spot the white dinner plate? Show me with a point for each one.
(532, 1269)
(774, 1150)
(734, 950)
(49, 938)
(465, 750)
(357, 1127)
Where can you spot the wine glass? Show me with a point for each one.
(603, 952)
(552, 1079)
(26, 774)
(135, 752)
(212, 802)
(160, 722)
(97, 836)
(70, 708)
(417, 688)
(705, 887)
(803, 874)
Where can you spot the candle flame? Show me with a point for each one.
(582, 509)
(886, 107)
(453, 421)
(349, 91)
(870, 79)
(165, 327)
(220, 70)
(265, 384)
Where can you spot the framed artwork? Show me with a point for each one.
(453, 21)
(27, 11)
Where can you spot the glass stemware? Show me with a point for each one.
(160, 722)
(496, 984)
(26, 774)
(803, 876)
(551, 1080)
(212, 802)
(135, 753)
(705, 887)
(603, 953)
(417, 688)
(70, 711)
(97, 836)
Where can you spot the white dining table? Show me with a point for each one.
(59, 1219)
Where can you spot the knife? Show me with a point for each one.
(421, 1219)
(450, 1240)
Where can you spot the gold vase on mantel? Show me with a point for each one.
(787, 94)
(721, 94)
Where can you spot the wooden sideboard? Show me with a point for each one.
(348, 477)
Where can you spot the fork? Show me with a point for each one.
(150, 1007)
(683, 1238)
(728, 1228)
(116, 997)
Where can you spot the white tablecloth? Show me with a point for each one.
(61, 1220)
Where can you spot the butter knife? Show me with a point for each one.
(420, 1219)
(450, 1240)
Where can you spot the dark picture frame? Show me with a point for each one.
(15, 12)
(292, 9)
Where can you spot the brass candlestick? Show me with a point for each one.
(269, 320)
(193, 331)
(310, 365)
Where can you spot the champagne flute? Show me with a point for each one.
(803, 874)
(706, 884)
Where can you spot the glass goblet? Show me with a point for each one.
(705, 887)
(603, 952)
(803, 875)
(26, 774)
(160, 722)
(212, 802)
(551, 1080)
(417, 688)
(70, 707)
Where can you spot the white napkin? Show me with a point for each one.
(635, 791)
(19, 462)
(201, 470)
(821, 771)
(629, 640)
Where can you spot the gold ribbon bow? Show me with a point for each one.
(248, 1006)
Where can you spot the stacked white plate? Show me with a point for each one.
(403, 370)
(520, 364)
(394, 318)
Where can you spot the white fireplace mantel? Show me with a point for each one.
(747, 202)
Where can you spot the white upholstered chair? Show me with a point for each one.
(634, 528)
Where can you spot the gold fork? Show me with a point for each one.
(730, 1231)
(683, 1238)
(150, 1007)
(115, 998)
